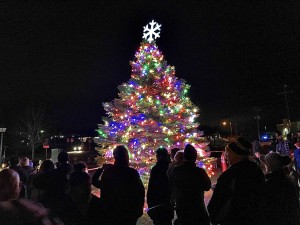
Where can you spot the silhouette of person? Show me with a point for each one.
(63, 165)
(41, 183)
(54, 182)
(122, 191)
(188, 184)
(281, 196)
(159, 192)
(82, 207)
(80, 167)
(178, 160)
(238, 192)
(16, 211)
(173, 153)
(14, 165)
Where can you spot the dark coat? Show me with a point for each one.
(188, 185)
(54, 185)
(122, 193)
(240, 189)
(159, 194)
(64, 168)
(96, 176)
(158, 188)
(280, 200)
(73, 216)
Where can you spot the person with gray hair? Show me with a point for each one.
(16, 211)
(9, 185)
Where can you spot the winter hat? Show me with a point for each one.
(162, 152)
(190, 153)
(241, 146)
(274, 161)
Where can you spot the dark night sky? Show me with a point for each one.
(72, 55)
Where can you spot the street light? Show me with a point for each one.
(225, 123)
(2, 130)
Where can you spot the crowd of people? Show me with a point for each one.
(245, 194)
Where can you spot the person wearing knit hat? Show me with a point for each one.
(190, 153)
(238, 150)
(237, 195)
(280, 199)
(241, 146)
(188, 183)
(274, 161)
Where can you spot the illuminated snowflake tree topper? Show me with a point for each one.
(152, 32)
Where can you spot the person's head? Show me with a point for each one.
(79, 187)
(278, 135)
(179, 157)
(14, 160)
(190, 153)
(273, 161)
(9, 185)
(63, 157)
(121, 155)
(80, 167)
(162, 154)
(298, 133)
(238, 150)
(24, 161)
(47, 166)
(173, 153)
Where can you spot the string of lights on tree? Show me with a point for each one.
(153, 110)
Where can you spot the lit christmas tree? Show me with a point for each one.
(153, 109)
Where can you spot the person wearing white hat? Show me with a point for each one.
(281, 198)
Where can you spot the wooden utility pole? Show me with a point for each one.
(257, 117)
(285, 93)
